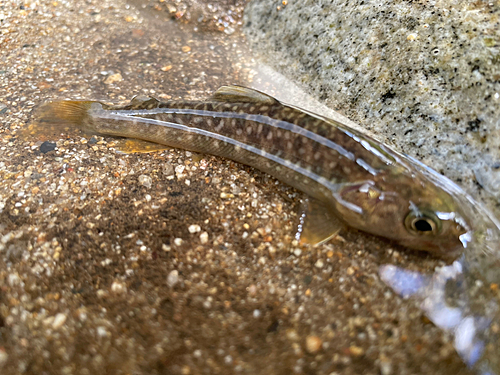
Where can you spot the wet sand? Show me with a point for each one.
(169, 262)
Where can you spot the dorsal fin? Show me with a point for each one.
(242, 94)
(143, 102)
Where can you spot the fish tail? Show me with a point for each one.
(70, 112)
(53, 118)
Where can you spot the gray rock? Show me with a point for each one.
(47, 147)
(423, 76)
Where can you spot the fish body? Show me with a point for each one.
(350, 177)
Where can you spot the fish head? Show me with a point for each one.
(412, 212)
(435, 225)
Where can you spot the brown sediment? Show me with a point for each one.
(215, 15)
(160, 264)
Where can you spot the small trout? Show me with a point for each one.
(350, 177)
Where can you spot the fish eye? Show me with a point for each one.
(422, 223)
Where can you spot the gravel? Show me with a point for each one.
(81, 295)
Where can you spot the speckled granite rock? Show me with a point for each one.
(422, 75)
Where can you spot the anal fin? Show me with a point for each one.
(317, 223)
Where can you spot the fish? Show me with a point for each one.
(350, 178)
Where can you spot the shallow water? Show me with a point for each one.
(463, 298)
(456, 300)
(103, 266)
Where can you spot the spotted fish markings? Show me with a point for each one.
(351, 178)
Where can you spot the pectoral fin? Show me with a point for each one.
(317, 223)
(197, 157)
(242, 94)
(131, 146)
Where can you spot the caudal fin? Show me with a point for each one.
(60, 117)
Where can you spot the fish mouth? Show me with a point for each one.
(446, 249)
(451, 251)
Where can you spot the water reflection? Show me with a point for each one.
(457, 301)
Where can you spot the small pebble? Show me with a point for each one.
(257, 313)
(178, 241)
(204, 237)
(385, 366)
(106, 262)
(59, 320)
(194, 228)
(179, 171)
(145, 181)
(47, 147)
(118, 287)
(252, 290)
(113, 78)
(102, 332)
(173, 278)
(168, 169)
(319, 263)
(13, 279)
(356, 351)
(292, 335)
(313, 344)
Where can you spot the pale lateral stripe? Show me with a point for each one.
(387, 160)
(370, 148)
(285, 125)
(334, 188)
(373, 150)
(366, 166)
